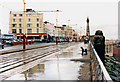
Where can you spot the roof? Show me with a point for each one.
(21, 12)
(16, 12)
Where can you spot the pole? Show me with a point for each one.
(24, 42)
(56, 41)
(68, 39)
(80, 33)
(24, 4)
(68, 30)
(24, 37)
(56, 29)
(47, 31)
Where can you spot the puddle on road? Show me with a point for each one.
(57, 68)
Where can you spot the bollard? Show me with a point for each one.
(68, 39)
(2, 46)
(56, 41)
(24, 42)
(47, 40)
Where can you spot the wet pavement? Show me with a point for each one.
(27, 46)
(59, 67)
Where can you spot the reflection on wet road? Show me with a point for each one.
(58, 67)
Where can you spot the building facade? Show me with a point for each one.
(49, 28)
(25, 22)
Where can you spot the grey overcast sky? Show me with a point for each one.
(103, 14)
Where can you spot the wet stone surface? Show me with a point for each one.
(27, 46)
(59, 67)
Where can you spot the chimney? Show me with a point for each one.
(28, 10)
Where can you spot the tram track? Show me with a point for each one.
(17, 63)
(7, 62)
(27, 58)
(23, 62)
(19, 55)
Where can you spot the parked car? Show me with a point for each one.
(14, 40)
(8, 41)
(19, 40)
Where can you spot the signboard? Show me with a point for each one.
(7, 36)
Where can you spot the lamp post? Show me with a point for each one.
(46, 26)
(56, 37)
(24, 37)
(56, 29)
(68, 30)
(80, 33)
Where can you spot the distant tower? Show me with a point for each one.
(87, 30)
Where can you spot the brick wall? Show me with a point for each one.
(116, 53)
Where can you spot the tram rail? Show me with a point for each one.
(17, 63)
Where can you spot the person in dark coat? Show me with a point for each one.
(99, 44)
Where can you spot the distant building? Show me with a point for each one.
(70, 32)
(49, 28)
(60, 31)
(28, 22)
(65, 31)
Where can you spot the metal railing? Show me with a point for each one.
(97, 68)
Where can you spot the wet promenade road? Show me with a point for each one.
(16, 63)
(21, 46)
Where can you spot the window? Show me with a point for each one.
(13, 20)
(20, 25)
(20, 30)
(28, 15)
(37, 19)
(37, 25)
(37, 30)
(29, 25)
(29, 30)
(29, 19)
(38, 14)
(45, 37)
(53, 30)
(13, 30)
(20, 20)
(14, 15)
(20, 15)
(14, 25)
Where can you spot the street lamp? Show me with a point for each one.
(56, 28)
(80, 32)
(24, 37)
(56, 37)
(68, 29)
(46, 26)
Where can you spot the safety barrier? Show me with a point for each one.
(97, 68)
